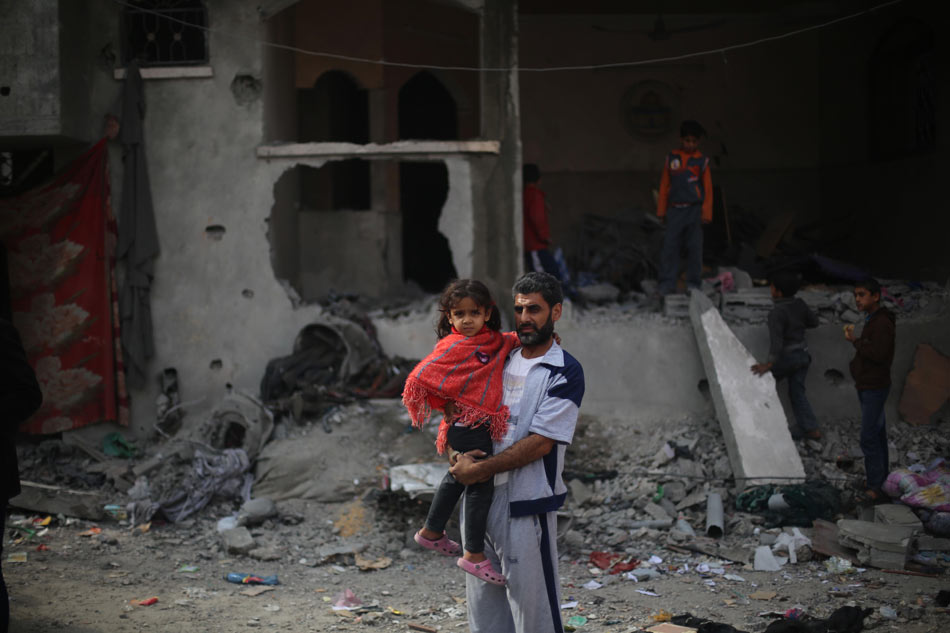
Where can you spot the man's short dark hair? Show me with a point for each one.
(530, 173)
(692, 128)
(786, 281)
(872, 285)
(544, 283)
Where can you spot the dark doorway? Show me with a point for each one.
(426, 111)
(902, 114)
(336, 109)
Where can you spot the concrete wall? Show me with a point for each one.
(29, 55)
(638, 367)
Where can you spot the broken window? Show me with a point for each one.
(165, 32)
(24, 169)
(902, 113)
(426, 111)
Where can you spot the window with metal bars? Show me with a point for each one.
(165, 32)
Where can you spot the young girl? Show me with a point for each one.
(462, 377)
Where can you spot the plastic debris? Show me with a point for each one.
(251, 579)
(227, 523)
(662, 616)
(764, 560)
(117, 512)
(346, 600)
(576, 620)
(114, 445)
(145, 603)
(836, 565)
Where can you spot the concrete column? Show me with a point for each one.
(496, 181)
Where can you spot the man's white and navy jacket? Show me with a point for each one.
(549, 405)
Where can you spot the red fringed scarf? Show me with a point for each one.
(468, 371)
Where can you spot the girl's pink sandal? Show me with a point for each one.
(482, 571)
(443, 545)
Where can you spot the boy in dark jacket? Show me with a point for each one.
(788, 353)
(871, 370)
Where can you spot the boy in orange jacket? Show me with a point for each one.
(685, 204)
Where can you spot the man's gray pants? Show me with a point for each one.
(524, 549)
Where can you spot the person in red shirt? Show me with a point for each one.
(684, 204)
(537, 231)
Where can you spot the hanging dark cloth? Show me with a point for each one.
(138, 238)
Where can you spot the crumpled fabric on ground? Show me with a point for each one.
(806, 502)
(226, 474)
(928, 489)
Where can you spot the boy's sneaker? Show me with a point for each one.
(813, 434)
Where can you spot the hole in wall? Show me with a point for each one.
(834, 377)
(216, 364)
(215, 232)
(5, 91)
(703, 386)
(246, 89)
(247, 293)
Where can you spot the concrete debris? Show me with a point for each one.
(749, 412)
(237, 540)
(877, 544)
(599, 293)
(896, 514)
(256, 511)
(55, 500)
(422, 479)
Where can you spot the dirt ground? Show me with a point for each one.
(88, 583)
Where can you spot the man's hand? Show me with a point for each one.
(466, 470)
(760, 368)
(849, 333)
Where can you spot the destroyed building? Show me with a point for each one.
(301, 149)
(316, 170)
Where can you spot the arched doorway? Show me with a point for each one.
(426, 111)
(336, 109)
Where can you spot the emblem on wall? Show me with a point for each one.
(649, 110)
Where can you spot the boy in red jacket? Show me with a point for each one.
(871, 370)
(685, 204)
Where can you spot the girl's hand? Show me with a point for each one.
(557, 338)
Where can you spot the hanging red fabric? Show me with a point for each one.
(60, 240)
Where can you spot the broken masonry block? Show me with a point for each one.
(751, 417)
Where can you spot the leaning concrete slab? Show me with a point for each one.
(753, 423)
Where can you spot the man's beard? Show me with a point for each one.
(539, 336)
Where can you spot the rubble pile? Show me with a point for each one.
(655, 489)
(748, 304)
